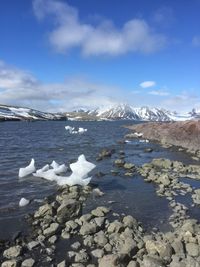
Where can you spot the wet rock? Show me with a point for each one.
(33, 244)
(12, 252)
(148, 150)
(10, 263)
(97, 192)
(28, 263)
(119, 162)
(100, 211)
(51, 230)
(105, 153)
(129, 166)
(43, 211)
(68, 209)
(196, 196)
(162, 163)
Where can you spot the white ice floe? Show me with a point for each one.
(58, 168)
(72, 130)
(23, 172)
(23, 202)
(79, 176)
(82, 130)
(138, 134)
(144, 141)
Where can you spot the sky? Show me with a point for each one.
(61, 55)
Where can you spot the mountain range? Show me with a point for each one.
(115, 112)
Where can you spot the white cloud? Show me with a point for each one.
(102, 39)
(196, 41)
(18, 87)
(159, 93)
(184, 101)
(147, 84)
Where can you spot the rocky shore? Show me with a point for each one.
(62, 235)
(183, 134)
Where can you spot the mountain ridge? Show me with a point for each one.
(114, 112)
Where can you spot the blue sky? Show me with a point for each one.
(60, 55)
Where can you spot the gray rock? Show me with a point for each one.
(88, 228)
(129, 166)
(10, 263)
(81, 257)
(61, 264)
(149, 261)
(110, 260)
(133, 264)
(44, 211)
(51, 230)
(129, 221)
(12, 252)
(193, 249)
(163, 249)
(119, 162)
(28, 263)
(33, 244)
(100, 221)
(115, 226)
(97, 253)
(100, 239)
(76, 245)
(53, 239)
(68, 209)
(100, 211)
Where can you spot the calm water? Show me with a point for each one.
(47, 141)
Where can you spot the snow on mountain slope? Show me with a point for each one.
(18, 113)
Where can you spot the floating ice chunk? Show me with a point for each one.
(45, 168)
(138, 134)
(144, 141)
(79, 176)
(82, 130)
(27, 170)
(73, 180)
(81, 167)
(23, 202)
(73, 131)
(69, 128)
(80, 170)
(48, 175)
(54, 164)
(60, 169)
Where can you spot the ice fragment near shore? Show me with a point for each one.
(79, 176)
(138, 134)
(23, 172)
(23, 202)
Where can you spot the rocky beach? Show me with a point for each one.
(63, 231)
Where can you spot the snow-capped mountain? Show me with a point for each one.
(126, 112)
(19, 113)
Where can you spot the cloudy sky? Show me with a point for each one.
(59, 55)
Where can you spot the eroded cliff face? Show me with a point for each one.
(184, 134)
